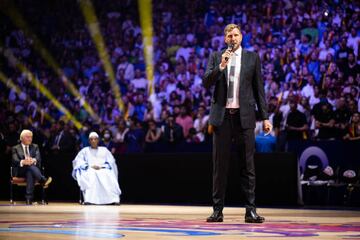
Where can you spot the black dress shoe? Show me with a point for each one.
(252, 217)
(216, 216)
(28, 202)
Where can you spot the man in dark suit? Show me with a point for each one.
(63, 142)
(235, 75)
(27, 160)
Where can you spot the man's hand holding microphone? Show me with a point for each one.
(226, 55)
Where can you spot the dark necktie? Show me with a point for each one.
(230, 91)
(27, 152)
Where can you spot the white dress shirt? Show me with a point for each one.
(235, 102)
(25, 154)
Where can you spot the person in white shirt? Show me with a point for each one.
(353, 41)
(127, 67)
(308, 90)
(327, 50)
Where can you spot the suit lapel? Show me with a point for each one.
(226, 75)
(225, 70)
(31, 149)
(243, 66)
(21, 151)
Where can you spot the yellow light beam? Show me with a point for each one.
(38, 85)
(94, 29)
(19, 21)
(11, 85)
(145, 10)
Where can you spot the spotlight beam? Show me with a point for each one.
(38, 85)
(94, 29)
(11, 85)
(11, 11)
(145, 10)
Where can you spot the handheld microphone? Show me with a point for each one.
(230, 48)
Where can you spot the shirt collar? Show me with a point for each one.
(23, 145)
(238, 51)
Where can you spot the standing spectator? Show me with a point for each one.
(324, 121)
(341, 117)
(296, 124)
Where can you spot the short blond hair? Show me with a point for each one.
(25, 132)
(230, 27)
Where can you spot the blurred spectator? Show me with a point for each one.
(324, 121)
(153, 134)
(107, 141)
(353, 131)
(134, 137)
(63, 141)
(173, 132)
(184, 120)
(200, 123)
(120, 136)
(296, 124)
(341, 117)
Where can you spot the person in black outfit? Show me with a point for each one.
(235, 75)
(296, 125)
(324, 120)
(63, 141)
(173, 132)
(342, 117)
(350, 67)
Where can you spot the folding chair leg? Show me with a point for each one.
(11, 194)
(80, 198)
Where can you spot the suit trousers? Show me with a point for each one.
(32, 174)
(226, 135)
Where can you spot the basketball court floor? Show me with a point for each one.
(74, 221)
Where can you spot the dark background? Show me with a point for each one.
(180, 178)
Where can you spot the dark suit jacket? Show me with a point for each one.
(251, 89)
(67, 142)
(18, 155)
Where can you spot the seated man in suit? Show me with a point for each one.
(26, 158)
(95, 170)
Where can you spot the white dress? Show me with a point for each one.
(98, 186)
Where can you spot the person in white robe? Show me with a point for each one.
(95, 170)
